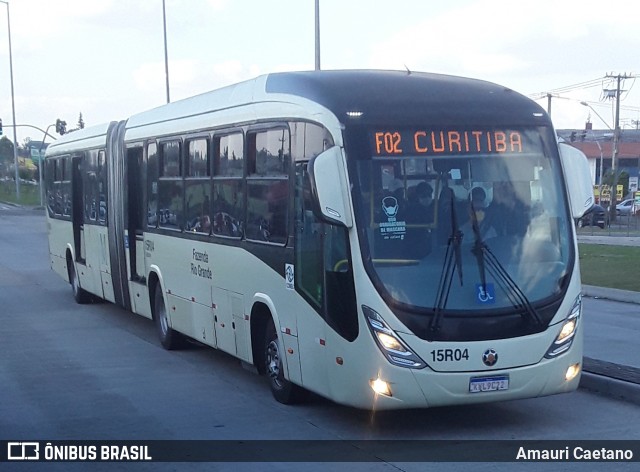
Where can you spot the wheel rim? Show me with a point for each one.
(75, 286)
(162, 318)
(273, 363)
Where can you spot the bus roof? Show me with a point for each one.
(410, 97)
(399, 97)
(86, 138)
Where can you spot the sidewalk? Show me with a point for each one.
(617, 375)
(613, 240)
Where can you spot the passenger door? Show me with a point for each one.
(135, 214)
(77, 210)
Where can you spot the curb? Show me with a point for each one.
(614, 294)
(608, 386)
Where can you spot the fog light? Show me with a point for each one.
(380, 387)
(572, 371)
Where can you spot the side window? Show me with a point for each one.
(323, 270)
(268, 185)
(308, 242)
(152, 185)
(57, 186)
(228, 194)
(102, 188)
(198, 187)
(198, 158)
(50, 177)
(171, 159)
(91, 187)
(66, 186)
(229, 158)
(308, 140)
(170, 187)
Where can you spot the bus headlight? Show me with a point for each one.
(394, 349)
(564, 340)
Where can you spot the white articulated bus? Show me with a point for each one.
(384, 239)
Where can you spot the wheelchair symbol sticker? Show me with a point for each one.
(486, 297)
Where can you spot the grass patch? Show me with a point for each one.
(610, 266)
(29, 194)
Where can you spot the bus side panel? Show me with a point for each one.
(92, 281)
(140, 300)
(104, 263)
(60, 232)
(223, 319)
(203, 324)
(179, 311)
(312, 345)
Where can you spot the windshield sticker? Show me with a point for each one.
(486, 297)
(392, 229)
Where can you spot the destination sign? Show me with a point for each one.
(447, 142)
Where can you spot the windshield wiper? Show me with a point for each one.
(483, 254)
(452, 262)
(478, 248)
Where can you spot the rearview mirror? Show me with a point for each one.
(578, 179)
(329, 187)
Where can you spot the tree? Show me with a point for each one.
(623, 179)
(6, 150)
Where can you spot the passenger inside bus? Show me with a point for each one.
(420, 214)
(507, 213)
(478, 213)
(446, 207)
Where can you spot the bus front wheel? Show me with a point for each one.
(169, 338)
(282, 390)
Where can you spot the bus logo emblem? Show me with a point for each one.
(490, 357)
(289, 276)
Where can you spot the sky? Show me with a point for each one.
(105, 58)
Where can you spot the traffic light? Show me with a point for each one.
(573, 136)
(0, 126)
(61, 126)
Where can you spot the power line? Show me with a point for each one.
(582, 85)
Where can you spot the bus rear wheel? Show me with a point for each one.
(79, 294)
(282, 390)
(169, 338)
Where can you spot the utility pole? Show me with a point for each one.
(549, 104)
(616, 139)
(13, 109)
(166, 54)
(317, 48)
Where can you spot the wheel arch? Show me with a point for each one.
(154, 278)
(70, 259)
(262, 311)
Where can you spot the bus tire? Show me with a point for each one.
(79, 294)
(283, 390)
(169, 338)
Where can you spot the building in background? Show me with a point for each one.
(598, 147)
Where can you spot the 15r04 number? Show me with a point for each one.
(443, 355)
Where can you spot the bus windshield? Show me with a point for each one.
(462, 219)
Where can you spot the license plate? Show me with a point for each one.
(489, 384)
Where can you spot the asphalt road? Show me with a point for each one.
(97, 372)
